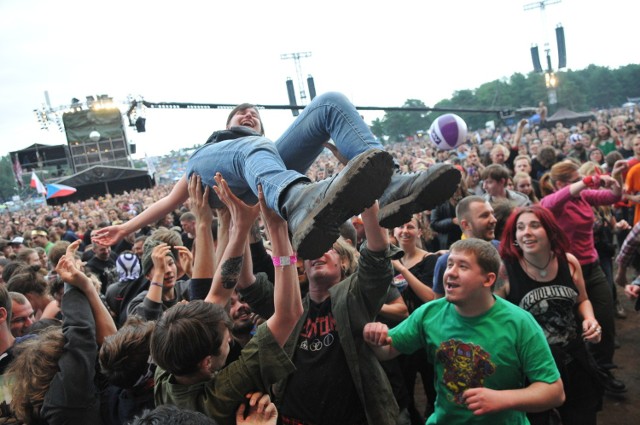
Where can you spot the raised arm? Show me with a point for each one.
(230, 266)
(69, 271)
(113, 234)
(72, 396)
(517, 137)
(151, 307)
(286, 296)
(204, 261)
(377, 237)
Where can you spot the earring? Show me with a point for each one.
(515, 243)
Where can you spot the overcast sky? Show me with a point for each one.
(379, 53)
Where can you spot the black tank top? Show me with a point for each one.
(551, 303)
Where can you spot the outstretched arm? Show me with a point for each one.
(376, 335)
(113, 234)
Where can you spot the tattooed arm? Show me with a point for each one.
(230, 266)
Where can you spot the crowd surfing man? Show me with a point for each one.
(492, 362)
(314, 211)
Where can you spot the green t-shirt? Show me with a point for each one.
(607, 146)
(497, 350)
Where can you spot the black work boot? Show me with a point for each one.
(315, 211)
(410, 193)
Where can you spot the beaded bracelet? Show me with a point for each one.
(285, 261)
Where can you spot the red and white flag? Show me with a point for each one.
(37, 184)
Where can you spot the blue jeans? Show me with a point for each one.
(252, 160)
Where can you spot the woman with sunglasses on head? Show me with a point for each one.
(544, 279)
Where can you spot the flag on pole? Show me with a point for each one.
(37, 184)
(17, 171)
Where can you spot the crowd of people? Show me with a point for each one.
(311, 280)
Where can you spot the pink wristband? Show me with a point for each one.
(285, 261)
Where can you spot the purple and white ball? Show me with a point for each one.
(448, 131)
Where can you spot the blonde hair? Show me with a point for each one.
(347, 254)
(521, 176)
(589, 168)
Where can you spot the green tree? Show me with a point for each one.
(7, 180)
(397, 125)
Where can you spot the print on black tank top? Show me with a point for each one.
(551, 303)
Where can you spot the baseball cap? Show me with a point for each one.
(17, 240)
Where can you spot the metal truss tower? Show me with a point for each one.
(296, 58)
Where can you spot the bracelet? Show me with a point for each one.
(157, 284)
(285, 261)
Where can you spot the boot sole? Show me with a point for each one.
(436, 188)
(357, 187)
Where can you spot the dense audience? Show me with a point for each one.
(88, 330)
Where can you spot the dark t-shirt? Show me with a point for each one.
(105, 270)
(321, 391)
(422, 270)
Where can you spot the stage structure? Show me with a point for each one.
(97, 155)
(96, 136)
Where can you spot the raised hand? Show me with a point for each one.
(184, 260)
(158, 256)
(242, 215)
(110, 235)
(199, 199)
(69, 270)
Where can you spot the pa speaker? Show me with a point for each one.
(535, 58)
(292, 97)
(140, 125)
(562, 50)
(312, 87)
